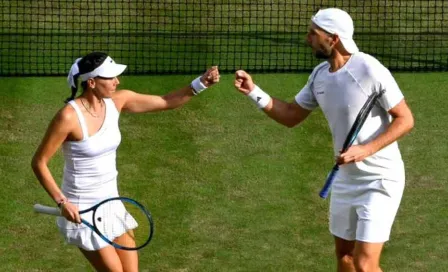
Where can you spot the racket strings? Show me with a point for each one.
(123, 223)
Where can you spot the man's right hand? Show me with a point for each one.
(243, 82)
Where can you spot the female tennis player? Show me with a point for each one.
(87, 130)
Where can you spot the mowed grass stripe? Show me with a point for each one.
(229, 189)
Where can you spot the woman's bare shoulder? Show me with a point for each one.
(66, 116)
(120, 97)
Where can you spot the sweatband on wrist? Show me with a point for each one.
(62, 202)
(260, 98)
(197, 86)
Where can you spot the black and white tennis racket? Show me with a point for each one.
(120, 221)
(351, 137)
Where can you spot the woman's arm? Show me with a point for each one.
(130, 101)
(57, 132)
(55, 135)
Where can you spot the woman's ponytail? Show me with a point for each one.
(72, 80)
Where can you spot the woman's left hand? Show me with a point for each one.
(211, 76)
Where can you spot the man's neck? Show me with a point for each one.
(338, 60)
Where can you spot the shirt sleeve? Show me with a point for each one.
(386, 82)
(305, 98)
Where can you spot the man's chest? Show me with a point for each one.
(340, 95)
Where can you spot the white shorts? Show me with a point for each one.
(85, 238)
(365, 211)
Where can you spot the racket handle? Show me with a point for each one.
(47, 210)
(327, 186)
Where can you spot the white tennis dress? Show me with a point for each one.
(90, 174)
(365, 195)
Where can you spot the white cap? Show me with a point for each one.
(337, 21)
(108, 69)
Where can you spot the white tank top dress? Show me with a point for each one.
(90, 174)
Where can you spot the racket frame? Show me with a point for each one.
(351, 137)
(57, 212)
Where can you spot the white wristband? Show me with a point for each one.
(260, 98)
(197, 86)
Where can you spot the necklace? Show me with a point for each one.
(88, 108)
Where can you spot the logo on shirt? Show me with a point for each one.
(321, 92)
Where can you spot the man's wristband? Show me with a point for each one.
(260, 98)
(197, 85)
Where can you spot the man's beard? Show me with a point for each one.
(323, 53)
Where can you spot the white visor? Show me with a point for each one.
(108, 69)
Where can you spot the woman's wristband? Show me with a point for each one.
(197, 85)
(62, 202)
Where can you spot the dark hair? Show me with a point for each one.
(87, 64)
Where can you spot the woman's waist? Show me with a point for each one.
(87, 174)
(90, 166)
(86, 199)
(89, 188)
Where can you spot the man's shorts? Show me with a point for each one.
(364, 210)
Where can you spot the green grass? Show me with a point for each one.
(229, 189)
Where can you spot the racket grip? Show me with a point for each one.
(47, 210)
(327, 186)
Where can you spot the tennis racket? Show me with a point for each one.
(353, 133)
(116, 217)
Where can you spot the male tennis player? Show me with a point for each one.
(87, 130)
(368, 188)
